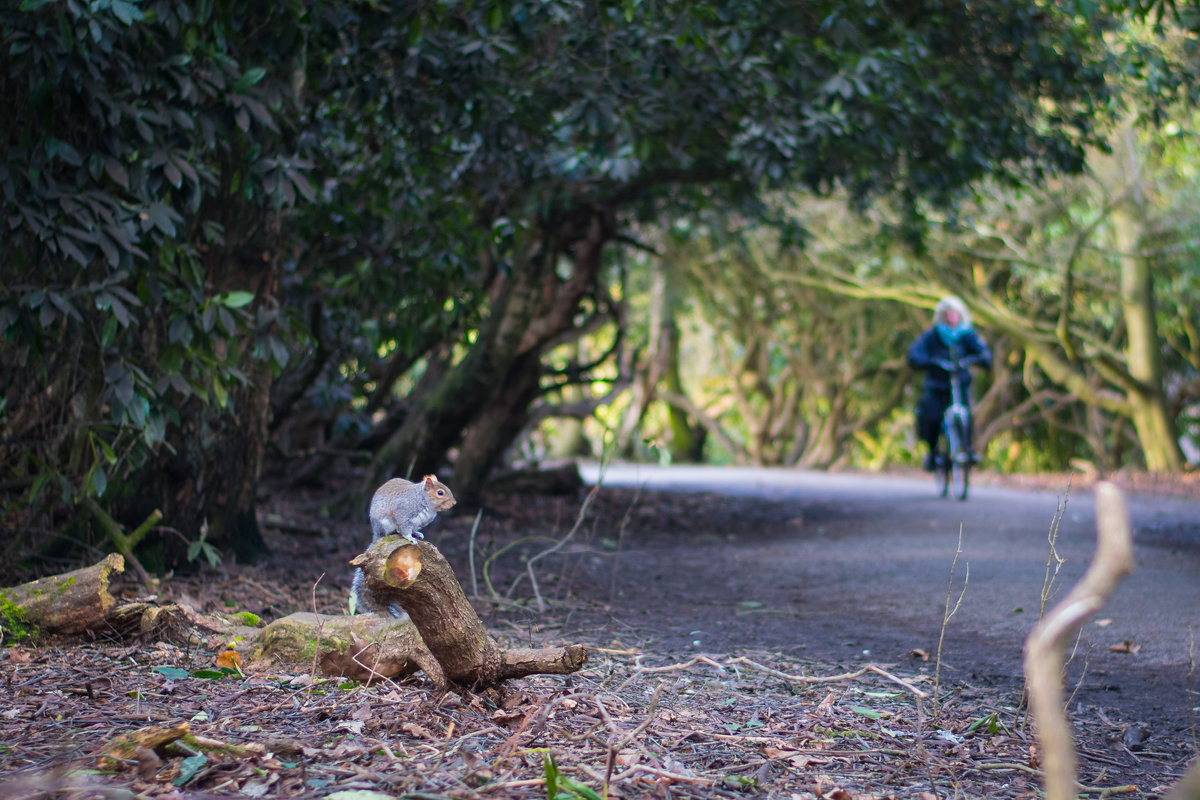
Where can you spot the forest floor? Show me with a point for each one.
(652, 714)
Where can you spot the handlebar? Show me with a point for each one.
(953, 366)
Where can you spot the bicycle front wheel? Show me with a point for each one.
(960, 462)
(941, 465)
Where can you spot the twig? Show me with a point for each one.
(125, 542)
(1055, 561)
(875, 668)
(947, 615)
(1188, 787)
(1044, 647)
(612, 590)
(471, 555)
(806, 679)
(320, 625)
(561, 543)
(613, 749)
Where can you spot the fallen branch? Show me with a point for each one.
(805, 679)
(125, 542)
(418, 578)
(1045, 645)
(70, 603)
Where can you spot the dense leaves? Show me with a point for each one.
(361, 226)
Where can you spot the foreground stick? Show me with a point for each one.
(1044, 647)
(420, 580)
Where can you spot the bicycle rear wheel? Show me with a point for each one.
(959, 462)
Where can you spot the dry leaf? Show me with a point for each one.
(628, 757)
(416, 731)
(19, 655)
(1127, 646)
(502, 717)
(1104, 623)
(230, 660)
(916, 652)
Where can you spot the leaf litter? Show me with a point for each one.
(163, 720)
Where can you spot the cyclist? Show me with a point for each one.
(951, 329)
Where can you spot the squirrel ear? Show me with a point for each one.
(429, 479)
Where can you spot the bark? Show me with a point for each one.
(497, 426)
(445, 637)
(70, 603)
(531, 306)
(687, 439)
(1151, 419)
(364, 647)
(419, 579)
(645, 383)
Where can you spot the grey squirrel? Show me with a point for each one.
(402, 507)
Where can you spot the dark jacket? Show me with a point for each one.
(929, 348)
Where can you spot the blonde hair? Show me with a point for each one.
(948, 302)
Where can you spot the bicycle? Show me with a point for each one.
(952, 457)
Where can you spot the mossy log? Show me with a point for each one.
(444, 637)
(70, 603)
(365, 647)
(418, 578)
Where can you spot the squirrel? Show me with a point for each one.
(402, 507)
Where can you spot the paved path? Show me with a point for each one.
(861, 563)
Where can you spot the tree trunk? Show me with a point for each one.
(531, 306)
(496, 427)
(1153, 423)
(687, 439)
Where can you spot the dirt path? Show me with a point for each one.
(843, 568)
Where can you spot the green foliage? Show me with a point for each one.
(203, 547)
(560, 787)
(132, 133)
(211, 204)
(13, 627)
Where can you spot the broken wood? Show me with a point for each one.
(445, 637)
(364, 647)
(1046, 643)
(418, 578)
(70, 603)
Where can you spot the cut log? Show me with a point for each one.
(445, 637)
(70, 603)
(418, 578)
(364, 647)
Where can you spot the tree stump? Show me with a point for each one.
(418, 578)
(70, 603)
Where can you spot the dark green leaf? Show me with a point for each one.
(236, 299)
(99, 480)
(126, 12)
(188, 769)
(109, 333)
(209, 674)
(249, 78)
(174, 673)
(56, 148)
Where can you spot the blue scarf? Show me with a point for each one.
(950, 336)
